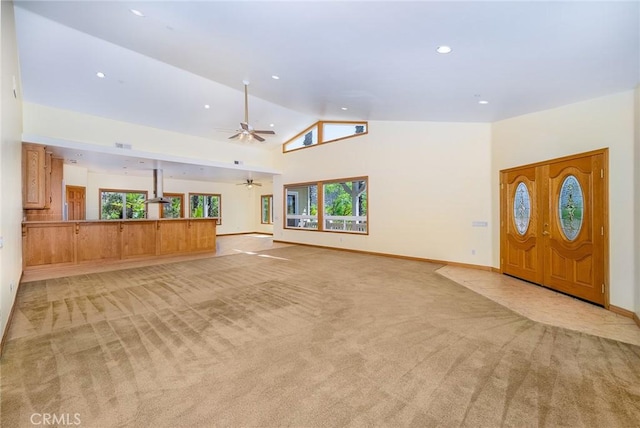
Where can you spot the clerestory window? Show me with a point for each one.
(325, 132)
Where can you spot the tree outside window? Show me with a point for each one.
(122, 204)
(174, 209)
(205, 205)
(266, 209)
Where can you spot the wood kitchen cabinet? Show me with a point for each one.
(34, 177)
(42, 184)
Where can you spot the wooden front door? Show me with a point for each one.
(75, 197)
(553, 224)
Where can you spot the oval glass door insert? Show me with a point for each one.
(570, 207)
(522, 208)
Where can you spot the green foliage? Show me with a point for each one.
(112, 205)
(205, 206)
(341, 205)
(172, 209)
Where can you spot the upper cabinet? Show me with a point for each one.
(35, 176)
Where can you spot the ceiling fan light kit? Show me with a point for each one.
(246, 131)
(249, 183)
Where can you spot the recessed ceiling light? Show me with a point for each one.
(344, 108)
(136, 12)
(444, 49)
(483, 102)
(274, 77)
(100, 74)
(271, 125)
(207, 106)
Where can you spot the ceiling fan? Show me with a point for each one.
(246, 131)
(249, 183)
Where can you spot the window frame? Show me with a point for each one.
(321, 208)
(172, 195)
(270, 208)
(319, 126)
(124, 208)
(218, 195)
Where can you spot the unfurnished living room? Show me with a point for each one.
(320, 213)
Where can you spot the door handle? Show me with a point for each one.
(545, 233)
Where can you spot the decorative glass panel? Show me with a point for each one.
(522, 208)
(570, 207)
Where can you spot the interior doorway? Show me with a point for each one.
(554, 224)
(76, 207)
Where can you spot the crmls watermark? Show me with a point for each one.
(59, 419)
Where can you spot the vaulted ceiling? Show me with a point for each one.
(341, 60)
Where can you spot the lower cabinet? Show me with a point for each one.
(54, 244)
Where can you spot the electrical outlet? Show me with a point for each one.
(473, 252)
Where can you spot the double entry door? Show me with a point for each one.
(553, 224)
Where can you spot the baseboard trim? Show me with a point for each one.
(624, 312)
(244, 233)
(10, 319)
(636, 319)
(395, 256)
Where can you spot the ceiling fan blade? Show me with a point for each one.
(244, 125)
(235, 135)
(257, 137)
(257, 184)
(241, 184)
(265, 132)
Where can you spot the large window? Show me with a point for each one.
(122, 204)
(266, 208)
(302, 206)
(175, 207)
(205, 205)
(344, 205)
(325, 132)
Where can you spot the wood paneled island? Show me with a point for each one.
(49, 244)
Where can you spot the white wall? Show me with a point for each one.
(66, 125)
(10, 161)
(581, 127)
(427, 183)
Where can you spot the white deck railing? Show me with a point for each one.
(334, 223)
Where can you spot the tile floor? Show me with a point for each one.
(544, 305)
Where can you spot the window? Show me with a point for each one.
(325, 132)
(266, 204)
(205, 205)
(175, 207)
(302, 206)
(344, 205)
(122, 204)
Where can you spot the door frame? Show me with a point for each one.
(604, 176)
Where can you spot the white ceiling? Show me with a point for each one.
(375, 58)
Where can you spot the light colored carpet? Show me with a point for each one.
(302, 337)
